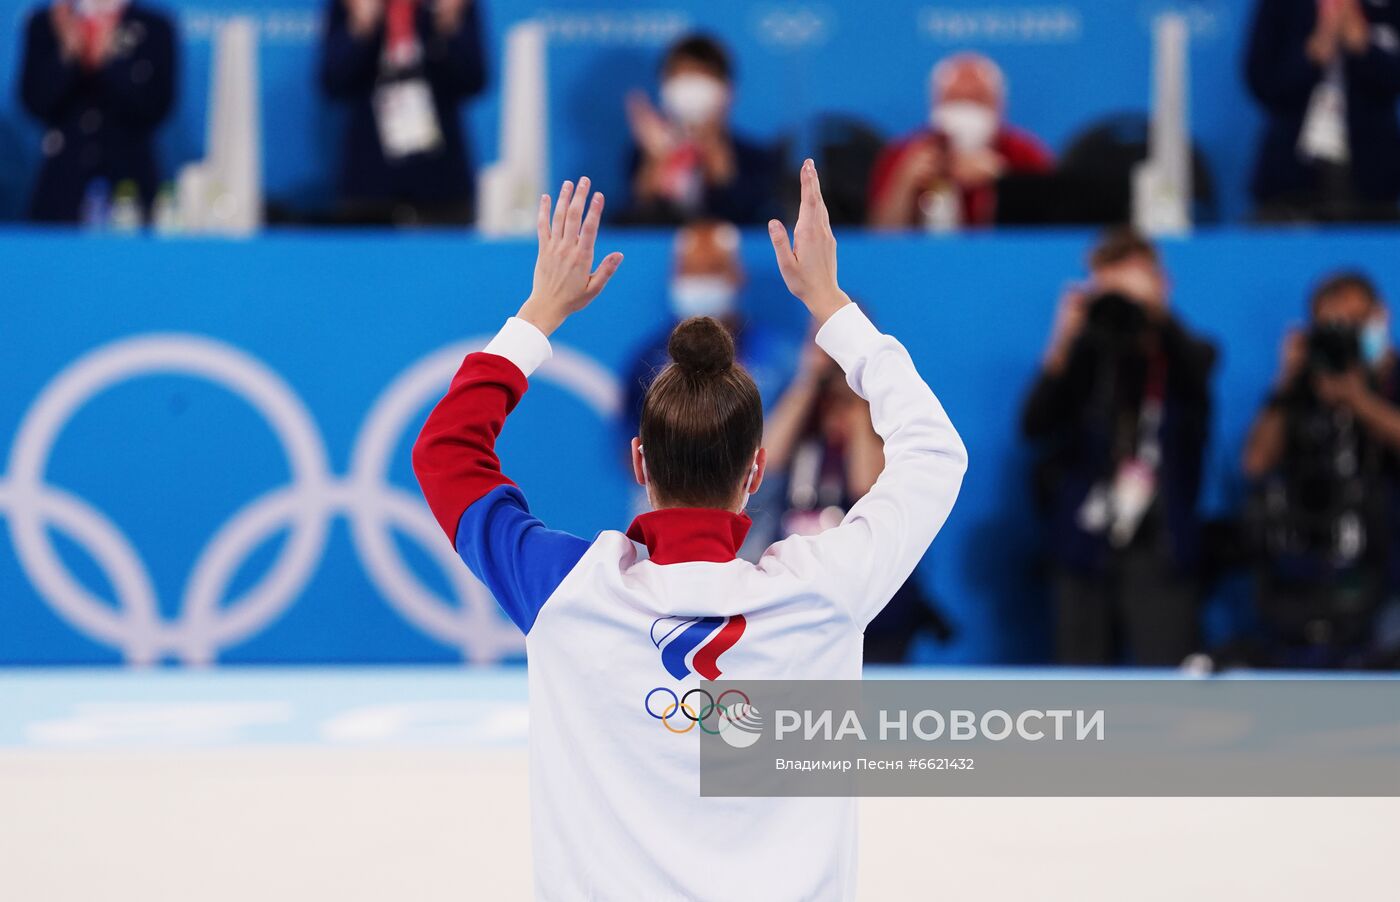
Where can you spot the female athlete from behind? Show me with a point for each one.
(619, 628)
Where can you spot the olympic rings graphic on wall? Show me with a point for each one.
(304, 507)
(681, 708)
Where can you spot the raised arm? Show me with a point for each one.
(49, 73)
(455, 52)
(1280, 72)
(351, 47)
(484, 513)
(865, 559)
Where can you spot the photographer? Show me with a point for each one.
(1322, 453)
(1122, 409)
(824, 455)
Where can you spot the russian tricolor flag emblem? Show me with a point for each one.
(694, 644)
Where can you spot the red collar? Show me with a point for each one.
(675, 535)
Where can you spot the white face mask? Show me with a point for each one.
(1375, 339)
(692, 98)
(697, 295)
(99, 7)
(969, 126)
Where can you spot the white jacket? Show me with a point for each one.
(620, 629)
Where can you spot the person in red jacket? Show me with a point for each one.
(944, 176)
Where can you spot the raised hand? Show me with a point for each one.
(364, 16)
(447, 15)
(978, 168)
(1292, 358)
(565, 281)
(808, 264)
(68, 29)
(1321, 46)
(919, 167)
(1353, 29)
(650, 130)
(1070, 317)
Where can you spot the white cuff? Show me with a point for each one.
(847, 335)
(522, 344)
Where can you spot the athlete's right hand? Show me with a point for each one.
(808, 264)
(565, 280)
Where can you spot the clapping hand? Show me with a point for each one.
(654, 136)
(1341, 24)
(447, 14)
(364, 16)
(67, 29)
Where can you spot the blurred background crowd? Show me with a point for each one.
(100, 79)
(1119, 412)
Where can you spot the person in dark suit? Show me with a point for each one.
(687, 164)
(404, 67)
(1120, 412)
(1327, 73)
(100, 76)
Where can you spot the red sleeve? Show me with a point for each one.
(1023, 152)
(455, 455)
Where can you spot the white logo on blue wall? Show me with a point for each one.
(793, 26)
(1205, 18)
(208, 620)
(973, 25)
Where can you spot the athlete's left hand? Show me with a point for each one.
(565, 281)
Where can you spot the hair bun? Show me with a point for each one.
(702, 346)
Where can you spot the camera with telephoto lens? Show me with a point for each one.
(1115, 317)
(1333, 348)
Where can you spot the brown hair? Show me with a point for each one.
(1117, 245)
(1346, 280)
(702, 419)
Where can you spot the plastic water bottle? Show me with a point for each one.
(125, 215)
(94, 212)
(165, 215)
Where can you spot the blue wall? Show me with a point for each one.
(156, 466)
(1068, 62)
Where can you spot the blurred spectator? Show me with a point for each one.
(1323, 452)
(687, 163)
(824, 454)
(708, 280)
(944, 176)
(1327, 73)
(1122, 407)
(100, 76)
(404, 66)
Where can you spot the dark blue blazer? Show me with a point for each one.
(98, 124)
(1282, 79)
(454, 66)
(1073, 421)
